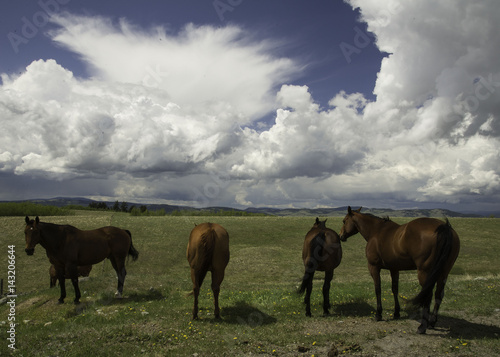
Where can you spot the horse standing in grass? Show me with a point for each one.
(321, 251)
(428, 245)
(207, 250)
(68, 247)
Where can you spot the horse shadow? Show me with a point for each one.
(242, 313)
(460, 328)
(356, 308)
(149, 295)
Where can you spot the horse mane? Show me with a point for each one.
(53, 228)
(385, 219)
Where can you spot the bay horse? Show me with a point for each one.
(83, 271)
(428, 245)
(68, 247)
(207, 250)
(321, 251)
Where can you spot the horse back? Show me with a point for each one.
(93, 246)
(324, 246)
(208, 247)
(418, 239)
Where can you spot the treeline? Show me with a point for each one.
(124, 207)
(32, 209)
(144, 211)
(117, 206)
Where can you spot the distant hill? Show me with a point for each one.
(317, 212)
(341, 211)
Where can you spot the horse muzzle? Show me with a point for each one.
(343, 238)
(30, 251)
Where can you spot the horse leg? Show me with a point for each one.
(60, 271)
(307, 298)
(119, 267)
(424, 323)
(326, 292)
(217, 278)
(121, 281)
(196, 292)
(438, 298)
(375, 273)
(78, 295)
(72, 272)
(395, 292)
(62, 285)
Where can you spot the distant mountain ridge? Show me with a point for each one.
(318, 212)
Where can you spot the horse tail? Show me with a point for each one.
(444, 245)
(207, 243)
(315, 253)
(132, 251)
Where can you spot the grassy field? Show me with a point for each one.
(261, 312)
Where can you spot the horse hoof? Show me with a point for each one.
(118, 295)
(60, 302)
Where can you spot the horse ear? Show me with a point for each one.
(349, 210)
(37, 220)
(317, 220)
(359, 209)
(27, 220)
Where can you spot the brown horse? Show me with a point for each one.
(82, 271)
(428, 245)
(321, 251)
(68, 247)
(207, 250)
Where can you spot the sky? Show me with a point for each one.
(240, 103)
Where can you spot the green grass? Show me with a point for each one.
(262, 314)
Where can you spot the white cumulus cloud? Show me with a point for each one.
(172, 115)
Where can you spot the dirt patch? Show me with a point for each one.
(366, 337)
(36, 301)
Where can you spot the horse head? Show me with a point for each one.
(320, 224)
(31, 234)
(349, 227)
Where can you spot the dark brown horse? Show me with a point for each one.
(83, 271)
(321, 251)
(68, 247)
(428, 245)
(207, 250)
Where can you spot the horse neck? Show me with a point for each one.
(52, 237)
(368, 225)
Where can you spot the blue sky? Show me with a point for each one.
(312, 34)
(252, 103)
